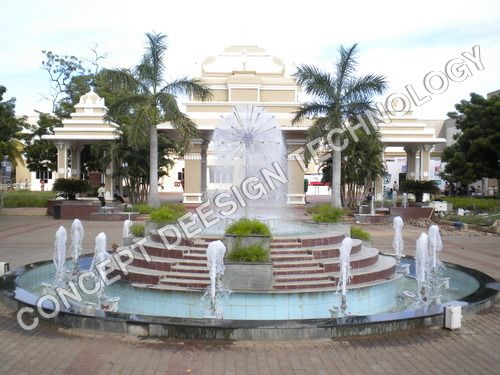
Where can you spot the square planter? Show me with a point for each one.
(232, 240)
(248, 276)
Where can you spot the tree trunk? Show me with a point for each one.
(154, 197)
(336, 173)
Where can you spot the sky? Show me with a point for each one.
(405, 41)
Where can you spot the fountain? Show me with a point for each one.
(77, 233)
(160, 288)
(60, 257)
(405, 200)
(345, 275)
(422, 266)
(244, 143)
(215, 263)
(127, 225)
(398, 242)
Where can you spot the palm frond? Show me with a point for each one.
(128, 105)
(186, 86)
(122, 80)
(310, 109)
(365, 86)
(346, 65)
(315, 81)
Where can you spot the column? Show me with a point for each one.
(411, 162)
(203, 166)
(62, 160)
(425, 157)
(295, 169)
(192, 174)
(75, 161)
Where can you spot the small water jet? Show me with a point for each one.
(398, 243)
(405, 200)
(60, 257)
(215, 263)
(421, 266)
(77, 234)
(100, 256)
(126, 234)
(345, 276)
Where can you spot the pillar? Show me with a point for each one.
(411, 162)
(192, 174)
(295, 194)
(62, 160)
(425, 158)
(75, 161)
(203, 167)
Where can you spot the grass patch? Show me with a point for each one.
(324, 213)
(167, 213)
(360, 234)
(246, 227)
(137, 230)
(252, 254)
(482, 220)
(26, 198)
(474, 204)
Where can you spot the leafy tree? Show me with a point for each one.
(338, 98)
(362, 163)
(150, 101)
(476, 153)
(41, 155)
(132, 160)
(10, 129)
(61, 70)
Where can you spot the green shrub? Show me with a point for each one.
(142, 208)
(70, 187)
(253, 254)
(473, 204)
(167, 213)
(325, 213)
(137, 230)
(246, 227)
(360, 234)
(26, 198)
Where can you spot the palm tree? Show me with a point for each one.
(150, 101)
(337, 100)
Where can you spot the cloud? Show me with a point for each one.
(398, 39)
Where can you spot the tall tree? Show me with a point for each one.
(41, 155)
(337, 98)
(10, 129)
(152, 101)
(362, 164)
(476, 152)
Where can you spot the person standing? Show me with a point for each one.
(395, 186)
(100, 195)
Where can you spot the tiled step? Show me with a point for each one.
(366, 257)
(298, 271)
(291, 257)
(295, 264)
(186, 276)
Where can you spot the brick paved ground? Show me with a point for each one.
(474, 349)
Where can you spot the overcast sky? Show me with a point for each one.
(403, 40)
